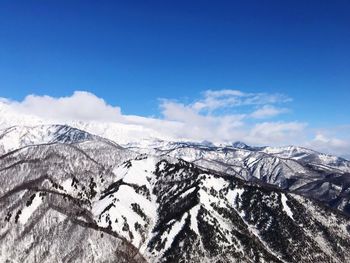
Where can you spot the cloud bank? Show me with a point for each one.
(81, 105)
(220, 116)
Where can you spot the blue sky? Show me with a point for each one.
(134, 53)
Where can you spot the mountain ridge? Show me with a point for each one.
(172, 202)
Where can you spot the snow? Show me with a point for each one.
(233, 197)
(126, 197)
(194, 223)
(233, 194)
(325, 219)
(184, 194)
(17, 137)
(29, 210)
(286, 208)
(138, 173)
(162, 166)
(67, 186)
(206, 200)
(122, 209)
(325, 158)
(286, 151)
(216, 183)
(120, 172)
(173, 232)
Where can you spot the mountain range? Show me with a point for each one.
(92, 192)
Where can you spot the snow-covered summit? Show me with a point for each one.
(121, 133)
(19, 136)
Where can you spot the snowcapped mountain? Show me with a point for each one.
(70, 196)
(211, 217)
(20, 136)
(296, 169)
(121, 133)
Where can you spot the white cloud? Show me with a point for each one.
(202, 123)
(81, 105)
(276, 133)
(329, 144)
(231, 127)
(267, 111)
(201, 127)
(213, 100)
(224, 92)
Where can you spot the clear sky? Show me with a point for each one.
(132, 53)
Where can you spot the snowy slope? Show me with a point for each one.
(19, 136)
(311, 175)
(297, 169)
(308, 156)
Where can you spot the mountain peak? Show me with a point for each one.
(240, 145)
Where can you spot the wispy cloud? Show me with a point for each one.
(213, 100)
(277, 132)
(268, 111)
(201, 127)
(206, 118)
(330, 144)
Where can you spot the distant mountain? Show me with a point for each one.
(19, 136)
(118, 132)
(67, 195)
(323, 177)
